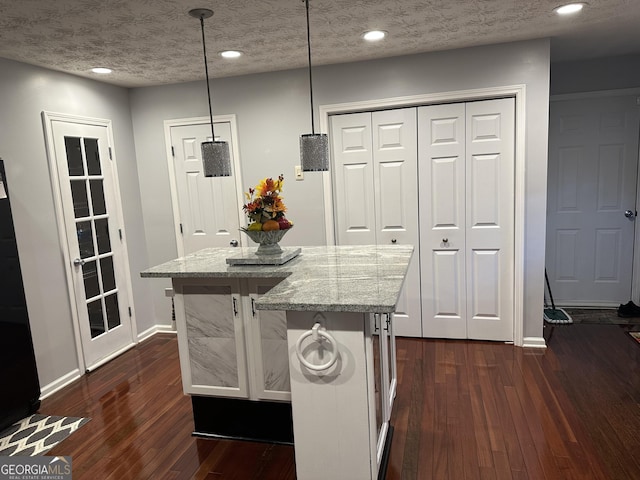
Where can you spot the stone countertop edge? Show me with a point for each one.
(362, 278)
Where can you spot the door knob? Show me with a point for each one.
(445, 240)
(393, 240)
(78, 262)
(233, 243)
(629, 214)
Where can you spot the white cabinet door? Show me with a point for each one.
(466, 171)
(208, 207)
(268, 352)
(376, 192)
(211, 338)
(593, 163)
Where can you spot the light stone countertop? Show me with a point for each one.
(362, 278)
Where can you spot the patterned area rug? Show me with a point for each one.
(635, 335)
(37, 434)
(605, 316)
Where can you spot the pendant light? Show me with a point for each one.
(215, 154)
(314, 147)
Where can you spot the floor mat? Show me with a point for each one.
(37, 434)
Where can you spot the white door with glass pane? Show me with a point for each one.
(466, 171)
(376, 193)
(208, 209)
(90, 204)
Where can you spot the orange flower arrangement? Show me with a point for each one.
(266, 210)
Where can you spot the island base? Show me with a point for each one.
(238, 419)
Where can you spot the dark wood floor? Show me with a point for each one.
(475, 410)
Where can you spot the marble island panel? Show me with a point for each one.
(329, 278)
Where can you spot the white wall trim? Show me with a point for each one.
(59, 384)
(534, 342)
(155, 329)
(516, 91)
(235, 146)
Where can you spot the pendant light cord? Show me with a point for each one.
(313, 128)
(206, 72)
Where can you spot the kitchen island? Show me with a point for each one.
(300, 352)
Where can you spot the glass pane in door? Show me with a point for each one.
(93, 232)
(74, 156)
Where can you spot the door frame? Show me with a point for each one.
(623, 92)
(235, 158)
(518, 92)
(47, 119)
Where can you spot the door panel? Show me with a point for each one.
(375, 191)
(208, 206)
(466, 172)
(490, 153)
(90, 204)
(441, 172)
(593, 156)
(395, 183)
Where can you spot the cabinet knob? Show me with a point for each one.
(393, 240)
(445, 240)
(233, 243)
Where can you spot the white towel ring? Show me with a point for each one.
(318, 332)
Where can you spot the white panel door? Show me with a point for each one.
(466, 172)
(441, 171)
(593, 161)
(94, 232)
(376, 194)
(395, 156)
(208, 206)
(490, 174)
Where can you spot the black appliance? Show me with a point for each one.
(20, 395)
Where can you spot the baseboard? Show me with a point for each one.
(155, 329)
(534, 342)
(59, 384)
(75, 374)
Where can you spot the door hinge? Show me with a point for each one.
(173, 152)
(110, 154)
(235, 307)
(120, 233)
(181, 231)
(253, 307)
(129, 311)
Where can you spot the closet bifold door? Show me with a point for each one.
(376, 193)
(466, 185)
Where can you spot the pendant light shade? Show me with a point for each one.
(314, 147)
(216, 160)
(314, 152)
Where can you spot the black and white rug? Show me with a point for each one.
(37, 434)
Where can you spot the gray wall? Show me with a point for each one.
(597, 74)
(25, 91)
(273, 110)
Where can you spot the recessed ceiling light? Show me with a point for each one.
(101, 70)
(569, 8)
(374, 35)
(231, 54)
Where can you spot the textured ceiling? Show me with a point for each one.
(152, 42)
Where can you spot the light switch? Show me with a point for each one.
(299, 172)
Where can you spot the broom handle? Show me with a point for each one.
(546, 278)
